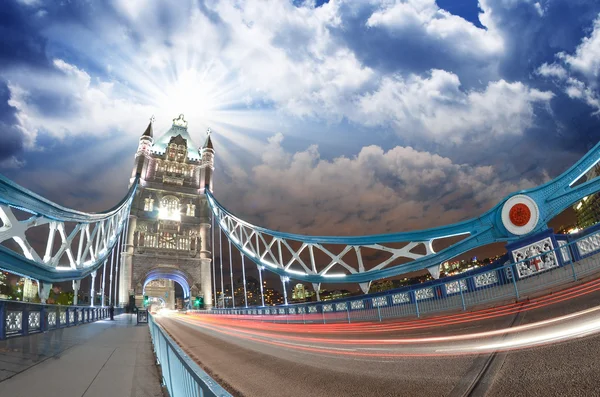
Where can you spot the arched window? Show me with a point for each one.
(169, 208)
(191, 210)
(149, 204)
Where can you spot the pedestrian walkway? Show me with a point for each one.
(105, 358)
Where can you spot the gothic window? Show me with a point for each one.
(172, 152)
(169, 208)
(191, 210)
(149, 204)
(181, 153)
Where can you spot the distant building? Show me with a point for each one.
(30, 289)
(301, 294)
(337, 294)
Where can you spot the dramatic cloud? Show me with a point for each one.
(586, 59)
(375, 191)
(421, 117)
(65, 101)
(579, 73)
(435, 105)
(424, 20)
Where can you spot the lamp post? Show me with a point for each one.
(284, 279)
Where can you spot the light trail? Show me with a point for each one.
(336, 339)
(414, 324)
(568, 327)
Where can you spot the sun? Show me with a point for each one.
(190, 93)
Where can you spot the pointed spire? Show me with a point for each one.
(208, 143)
(149, 132)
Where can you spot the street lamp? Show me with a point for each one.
(285, 279)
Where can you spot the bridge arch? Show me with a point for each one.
(169, 273)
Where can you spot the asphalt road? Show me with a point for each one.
(544, 347)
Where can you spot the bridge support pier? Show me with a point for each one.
(76, 285)
(262, 296)
(92, 289)
(126, 277)
(317, 287)
(44, 289)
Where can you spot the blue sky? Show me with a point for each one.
(342, 117)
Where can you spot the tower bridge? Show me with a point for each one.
(169, 222)
(167, 227)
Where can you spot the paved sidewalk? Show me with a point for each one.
(105, 358)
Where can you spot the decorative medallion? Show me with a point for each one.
(520, 214)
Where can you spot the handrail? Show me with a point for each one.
(182, 376)
(26, 318)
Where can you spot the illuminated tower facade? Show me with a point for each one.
(169, 224)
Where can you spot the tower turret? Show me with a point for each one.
(142, 156)
(208, 162)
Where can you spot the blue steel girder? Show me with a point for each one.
(264, 246)
(96, 235)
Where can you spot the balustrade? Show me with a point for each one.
(21, 318)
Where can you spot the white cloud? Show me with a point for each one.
(424, 18)
(79, 104)
(11, 162)
(435, 105)
(295, 60)
(552, 70)
(583, 64)
(539, 9)
(586, 59)
(30, 3)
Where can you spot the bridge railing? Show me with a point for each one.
(181, 375)
(576, 257)
(22, 318)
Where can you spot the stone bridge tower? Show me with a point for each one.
(169, 223)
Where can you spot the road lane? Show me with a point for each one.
(252, 368)
(425, 357)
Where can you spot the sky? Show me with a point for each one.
(340, 117)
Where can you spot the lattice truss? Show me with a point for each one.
(80, 246)
(365, 258)
(330, 260)
(48, 242)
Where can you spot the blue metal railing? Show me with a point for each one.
(575, 257)
(181, 375)
(22, 319)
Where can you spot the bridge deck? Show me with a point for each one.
(105, 358)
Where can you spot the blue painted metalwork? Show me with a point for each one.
(22, 319)
(551, 199)
(487, 284)
(103, 237)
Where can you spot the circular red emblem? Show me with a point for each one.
(519, 214)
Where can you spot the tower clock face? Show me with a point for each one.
(167, 240)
